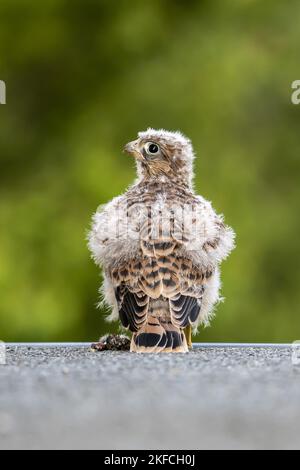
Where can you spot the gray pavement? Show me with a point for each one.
(219, 398)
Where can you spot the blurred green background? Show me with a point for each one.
(83, 77)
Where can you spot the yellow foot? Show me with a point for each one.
(188, 336)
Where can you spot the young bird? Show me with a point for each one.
(160, 246)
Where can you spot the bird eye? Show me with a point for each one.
(151, 148)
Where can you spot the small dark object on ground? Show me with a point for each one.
(112, 343)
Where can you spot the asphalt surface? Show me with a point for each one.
(72, 398)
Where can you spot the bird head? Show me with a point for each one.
(162, 154)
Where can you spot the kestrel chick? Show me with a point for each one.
(160, 246)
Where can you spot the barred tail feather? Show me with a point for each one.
(157, 336)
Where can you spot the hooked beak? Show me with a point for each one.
(132, 149)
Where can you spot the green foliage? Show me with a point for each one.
(83, 76)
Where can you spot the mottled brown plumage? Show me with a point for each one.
(160, 246)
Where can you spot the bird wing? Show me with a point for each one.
(133, 307)
(169, 276)
(133, 301)
(184, 310)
